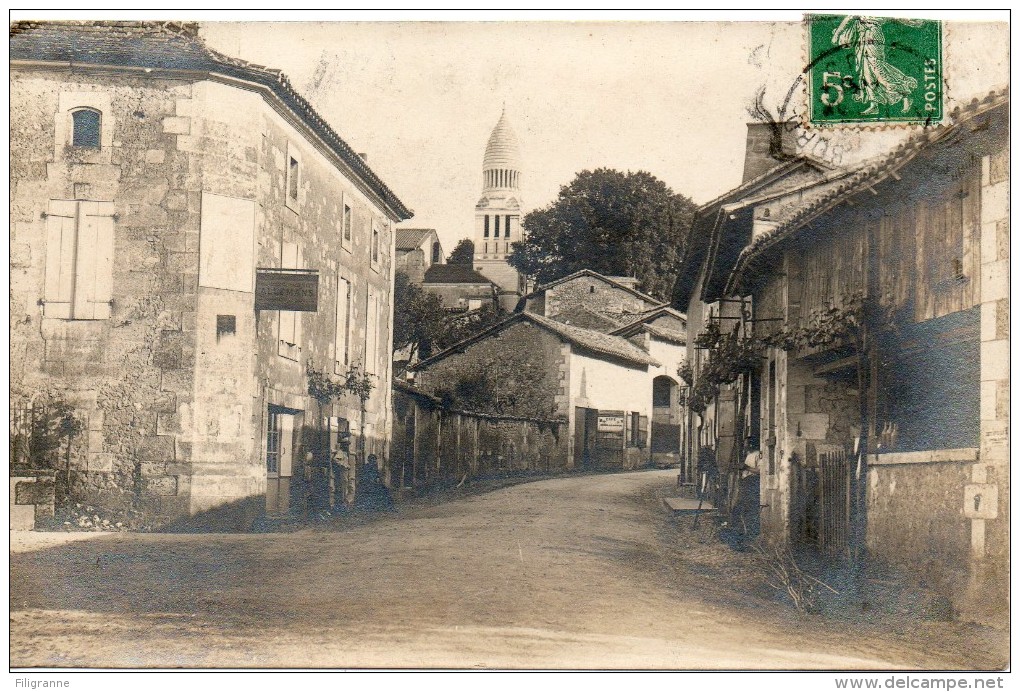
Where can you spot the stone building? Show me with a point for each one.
(160, 191)
(460, 287)
(586, 349)
(417, 249)
(885, 433)
(498, 212)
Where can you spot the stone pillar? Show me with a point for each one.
(986, 499)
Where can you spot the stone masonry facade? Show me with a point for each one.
(172, 387)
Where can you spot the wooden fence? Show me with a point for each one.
(434, 445)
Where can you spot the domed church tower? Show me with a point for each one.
(498, 212)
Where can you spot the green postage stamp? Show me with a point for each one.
(874, 70)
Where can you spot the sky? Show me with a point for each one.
(671, 98)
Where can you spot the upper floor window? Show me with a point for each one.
(87, 128)
(486, 225)
(375, 243)
(293, 181)
(347, 223)
(496, 232)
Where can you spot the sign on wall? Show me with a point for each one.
(227, 243)
(611, 421)
(294, 290)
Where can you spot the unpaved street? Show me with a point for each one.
(584, 571)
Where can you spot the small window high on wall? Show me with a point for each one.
(87, 124)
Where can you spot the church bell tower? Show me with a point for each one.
(498, 212)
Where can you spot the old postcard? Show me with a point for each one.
(673, 345)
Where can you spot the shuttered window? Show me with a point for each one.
(372, 335)
(342, 353)
(79, 260)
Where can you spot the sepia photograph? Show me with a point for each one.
(483, 341)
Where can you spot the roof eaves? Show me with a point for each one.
(867, 176)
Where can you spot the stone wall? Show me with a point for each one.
(124, 374)
(592, 293)
(434, 445)
(915, 518)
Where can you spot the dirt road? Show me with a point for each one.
(576, 572)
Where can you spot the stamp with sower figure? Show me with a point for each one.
(874, 70)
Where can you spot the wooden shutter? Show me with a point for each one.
(94, 264)
(60, 248)
(286, 445)
(643, 434)
(343, 309)
(372, 334)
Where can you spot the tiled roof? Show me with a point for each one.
(587, 318)
(865, 176)
(174, 46)
(589, 340)
(598, 342)
(641, 324)
(590, 272)
(453, 274)
(412, 238)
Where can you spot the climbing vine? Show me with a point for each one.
(728, 356)
(325, 388)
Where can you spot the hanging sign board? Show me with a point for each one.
(295, 290)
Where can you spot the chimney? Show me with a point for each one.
(628, 281)
(767, 147)
(364, 157)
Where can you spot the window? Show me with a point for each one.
(290, 322)
(496, 234)
(348, 222)
(506, 230)
(375, 243)
(486, 225)
(87, 128)
(437, 252)
(372, 335)
(341, 351)
(79, 260)
(293, 181)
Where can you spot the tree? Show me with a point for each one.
(461, 326)
(619, 224)
(464, 253)
(422, 325)
(418, 317)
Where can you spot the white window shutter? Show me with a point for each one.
(343, 299)
(287, 445)
(371, 334)
(94, 271)
(60, 248)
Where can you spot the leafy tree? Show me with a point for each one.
(464, 253)
(461, 326)
(619, 224)
(421, 324)
(418, 317)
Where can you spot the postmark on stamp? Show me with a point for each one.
(874, 70)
